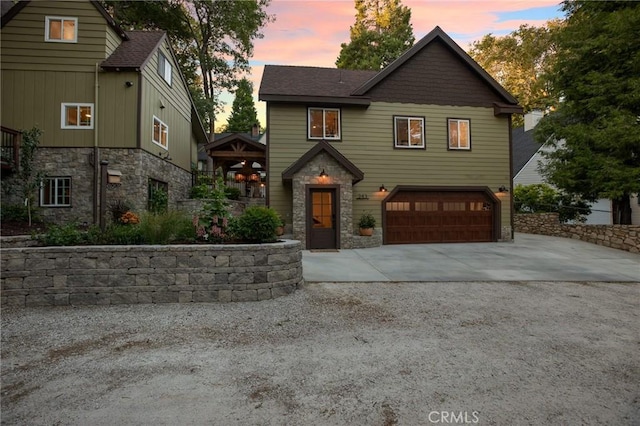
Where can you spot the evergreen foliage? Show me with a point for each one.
(381, 33)
(243, 113)
(596, 128)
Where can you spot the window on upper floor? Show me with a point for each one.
(160, 133)
(408, 132)
(459, 133)
(323, 123)
(55, 192)
(61, 29)
(76, 116)
(164, 67)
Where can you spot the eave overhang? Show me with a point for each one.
(318, 100)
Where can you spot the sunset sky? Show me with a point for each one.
(309, 32)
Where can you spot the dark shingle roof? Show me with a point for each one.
(135, 52)
(292, 81)
(524, 147)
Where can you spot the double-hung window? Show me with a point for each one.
(61, 29)
(76, 116)
(164, 68)
(323, 123)
(160, 133)
(55, 192)
(408, 132)
(459, 133)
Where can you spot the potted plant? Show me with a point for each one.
(280, 228)
(367, 223)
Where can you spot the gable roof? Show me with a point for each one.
(524, 147)
(228, 138)
(133, 54)
(308, 84)
(323, 146)
(436, 34)
(9, 10)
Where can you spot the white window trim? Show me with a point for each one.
(324, 110)
(55, 179)
(162, 123)
(458, 147)
(167, 71)
(395, 132)
(47, 20)
(63, 116)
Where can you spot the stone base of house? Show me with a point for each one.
(358, 241)
(138, 167)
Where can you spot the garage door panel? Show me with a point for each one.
(439, 216)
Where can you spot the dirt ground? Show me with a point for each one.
(508, 353)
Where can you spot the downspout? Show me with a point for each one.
(96, 152)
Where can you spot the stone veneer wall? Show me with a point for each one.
(623, 237)
(136, 165)
(103, 275)
(337, 175)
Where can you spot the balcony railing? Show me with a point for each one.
(10, 148)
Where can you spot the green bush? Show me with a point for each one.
(14, 212)
(542, 198)
(232, 193)
(119, 208)
(165, 228)
(122, 234)
(367, 221)
(63, 235)
(158, 200)
(200, 191)
(256, 225)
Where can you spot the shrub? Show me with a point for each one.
(158, 200)
(119, 208)
(16, 212)
(367, 221)
(211, 222)
(164, 228)
(542, 198)
(256, 225)
(63, 235)
(129, 218)
(200, 191)
(232, 193)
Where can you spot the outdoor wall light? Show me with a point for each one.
(165, 156)
(323, 174)
(503, 189)
(382, 188)
(129, 83)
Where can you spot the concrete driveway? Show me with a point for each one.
(528, 258)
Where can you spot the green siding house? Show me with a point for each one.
(423, 145)
(100, 95)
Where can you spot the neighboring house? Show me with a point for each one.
(99, 94)
(423, 145)
(527, 157)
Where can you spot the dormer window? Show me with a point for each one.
(164, 68)
(61, 29)
(323, 123)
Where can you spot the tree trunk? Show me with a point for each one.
(622, 210)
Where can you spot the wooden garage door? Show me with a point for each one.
(439, 217)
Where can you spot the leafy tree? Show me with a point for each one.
(596, 129)
(542, 198)
(519, 61)
(243, 113)
(213, 40)
(381, 33)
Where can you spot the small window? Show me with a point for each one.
(398, 206)
(458, 206)
(55, 192)
(164, 67)
(459, 135)
(158, 196)
(160, 133)
(324, 123)
(61, 29)
(76, 116)
(426, 206)
(408, 132)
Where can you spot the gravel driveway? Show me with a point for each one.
(506, 353)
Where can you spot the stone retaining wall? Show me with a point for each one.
(103, 275)
(623, 237)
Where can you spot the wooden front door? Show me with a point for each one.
(321, 218)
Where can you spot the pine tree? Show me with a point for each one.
(243, 113)
(381, 33)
